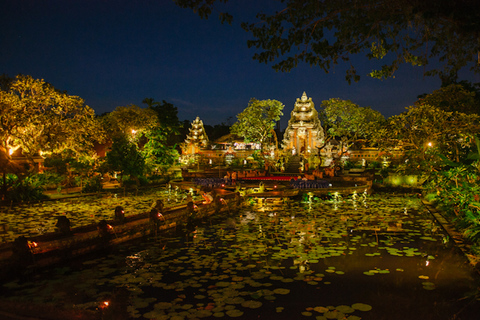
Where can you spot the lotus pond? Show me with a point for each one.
(38, 218)
(375, 257)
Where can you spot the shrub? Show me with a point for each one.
(348, 165)
(128, 182)
(93, 184)
(375, 164)
(384, 172)
(48, 180)
(25, 190)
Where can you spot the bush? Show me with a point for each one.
(348, 165)
(458, 194)
(48, 180)
(375, 164)
(93, 184)
(128, 182)
(236, 162)
(384, 172)
(25, 190)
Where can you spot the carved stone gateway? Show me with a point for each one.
(304, 132)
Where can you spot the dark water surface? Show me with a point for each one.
(362, 257)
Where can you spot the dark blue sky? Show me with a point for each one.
(118, 52)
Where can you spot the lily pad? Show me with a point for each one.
(253, 304)
(321, 309)
(219, 314)
(361, 306)
(234, 313)
(345, 309)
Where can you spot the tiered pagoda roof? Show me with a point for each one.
(197, 134)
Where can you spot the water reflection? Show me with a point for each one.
(280, 260)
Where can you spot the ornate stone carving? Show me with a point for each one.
(304, 132)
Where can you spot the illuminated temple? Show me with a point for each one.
(304, 132)
(196, 139)
(303, 136)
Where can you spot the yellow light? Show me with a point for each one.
(134, 131)
(10, 151)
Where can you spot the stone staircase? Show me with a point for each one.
(293, 165)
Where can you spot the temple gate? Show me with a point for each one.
(304, 132)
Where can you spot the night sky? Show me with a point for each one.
(117, 52)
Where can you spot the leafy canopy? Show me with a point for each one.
(348, 121)
(257, 121)
(142, 136)
(36, 117)
(130, 121)
(442, 34)
(125, 157)
(159, 155)
(426, 132)
(167, 113)
(454, 97)
(167, 116)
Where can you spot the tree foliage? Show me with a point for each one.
(130, 121)
(347, 121)
(158, 154)
(34, 117)
(324, 33)
(454, 97)
(167, 113)
(257, 121)
(427, 132)
(167, 116)
(125, 157)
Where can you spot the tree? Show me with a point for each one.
(158, 154)
(167, 115)
(348, 121)
(36, 117)
(453, 97)
(125, 157)
(130, 121)
(427, 132)
(144, 132)
(324, 33)
(257, 121)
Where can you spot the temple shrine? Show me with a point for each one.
(304, 132)
(196, 139)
